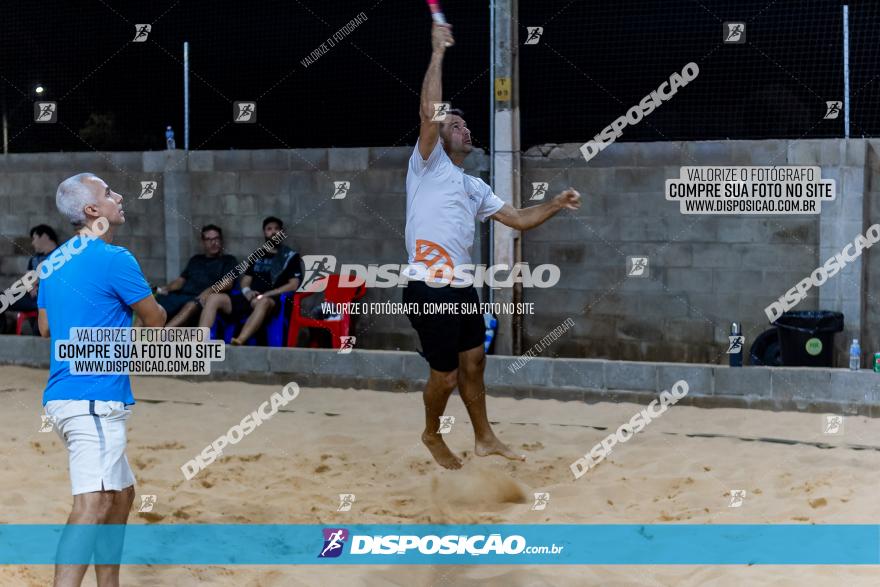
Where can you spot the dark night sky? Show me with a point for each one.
(594, 61)
(364, 90)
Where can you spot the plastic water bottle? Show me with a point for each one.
(491, 326)
(855, 355)
(169, 138)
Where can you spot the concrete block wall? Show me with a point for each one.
(839, 225)
(834, 391)
(870, 282)
(238, 189)
(704, 271)
(235, 190)
(28, 183)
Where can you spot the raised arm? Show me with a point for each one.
(432, 89)
(526, 218)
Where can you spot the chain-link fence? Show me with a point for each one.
(589, 63)
(771, 78)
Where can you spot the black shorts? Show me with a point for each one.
(445, 335)
(174, 302)
(241, 307)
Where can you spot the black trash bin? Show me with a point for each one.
(807, 338)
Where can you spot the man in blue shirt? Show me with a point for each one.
(88, 282)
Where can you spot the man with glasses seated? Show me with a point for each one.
(184, 297)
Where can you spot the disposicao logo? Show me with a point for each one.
(430, 545)
(334, 540)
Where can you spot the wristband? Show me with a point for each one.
(246, 290)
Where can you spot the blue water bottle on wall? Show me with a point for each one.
(491, 327)
(735, 350)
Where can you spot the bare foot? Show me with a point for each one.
(235, 342)
(441, 453)
(493, 446)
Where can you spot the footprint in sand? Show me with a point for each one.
(174, 445)
(13, 500)
(249, 458)
(142, 464)
(151, 517)
(818, 503)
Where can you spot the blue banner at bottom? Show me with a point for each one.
(516, 544)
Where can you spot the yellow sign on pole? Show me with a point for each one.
(502, 89)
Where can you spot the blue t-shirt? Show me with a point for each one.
(92, 288)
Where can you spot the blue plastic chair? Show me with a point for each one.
(275, 329)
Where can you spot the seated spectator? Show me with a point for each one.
(275, 270)
(44, 241)
(184, 297)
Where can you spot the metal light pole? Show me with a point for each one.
(505, 243)
(186, 95)
(846, 71)
(5, 125)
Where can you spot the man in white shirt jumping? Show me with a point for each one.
(441, 204)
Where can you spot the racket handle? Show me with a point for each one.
(436, 11)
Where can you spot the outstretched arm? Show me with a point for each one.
(526, 218)
(432, 89)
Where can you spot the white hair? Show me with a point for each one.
(72, 196)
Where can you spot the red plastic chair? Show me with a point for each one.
(333, 294)
(21, 317)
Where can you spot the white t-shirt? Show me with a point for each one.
(441, 204)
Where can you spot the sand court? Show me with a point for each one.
(292, 468)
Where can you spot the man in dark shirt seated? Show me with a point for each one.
(44, 241)
(186, 295)
(275, 270)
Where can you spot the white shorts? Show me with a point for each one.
(95, 435)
